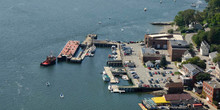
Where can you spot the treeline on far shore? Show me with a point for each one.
(209, 19)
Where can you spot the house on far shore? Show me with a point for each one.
(196, 26)
(187, 55)
(213, 55)
(204, 48)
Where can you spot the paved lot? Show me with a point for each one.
(143, 72)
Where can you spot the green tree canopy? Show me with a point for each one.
(197, 61)
(217, 58)
(185, 17)
(203, 77)
(163, 61)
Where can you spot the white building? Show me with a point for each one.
(204, 48)
(213, 55)
(187, 55)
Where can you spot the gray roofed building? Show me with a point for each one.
(179, 44)
(149, 64)
(213, 55)
(192, 69)
(149, 54)
(148, 50)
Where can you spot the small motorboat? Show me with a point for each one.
(193, 5)
(100, 22)
(145, 9)
(61, 95)
(48, 84)
(161, 1)
(122, 29)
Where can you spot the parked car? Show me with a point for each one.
(149, 68)
(158, 72)
(163, 75)
(155, 72)
(213, 67)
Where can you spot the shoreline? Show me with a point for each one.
(165, 28)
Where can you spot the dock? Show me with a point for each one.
(142, 106)
(115, 89)
(113, 80)
(161, 23)
(80, 57)
(68, 51)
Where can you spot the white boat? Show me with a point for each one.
(100, 22)
(110, 87)
(145, 9)
(193, 5)
(160, 1)
(104, 72)
(92, 49)
(122, 29)
(61, 95)
(125, 77)
(48, 84)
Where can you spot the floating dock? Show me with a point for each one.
(68, 51)
(113, 80)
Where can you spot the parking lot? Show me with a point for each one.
(151, 77)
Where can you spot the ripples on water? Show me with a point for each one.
(30, 29)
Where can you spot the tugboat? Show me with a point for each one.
(51, 60)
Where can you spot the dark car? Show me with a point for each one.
(158, 72)
(207, 106)
(163, 75)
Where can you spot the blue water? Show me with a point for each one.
(30, 29)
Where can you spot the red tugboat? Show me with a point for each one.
(51, 60)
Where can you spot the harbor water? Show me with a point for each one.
(31, 29)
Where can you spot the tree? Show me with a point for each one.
(213, 35)
(163, 61)
(203, 77)
(170, 31)
(185, 17)
(217, 58)
(197, 61)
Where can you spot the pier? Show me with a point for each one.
(161, 23)
(113, 80)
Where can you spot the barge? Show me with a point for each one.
(68, 51)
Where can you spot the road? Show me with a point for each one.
(203, 100)
(188, 37)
